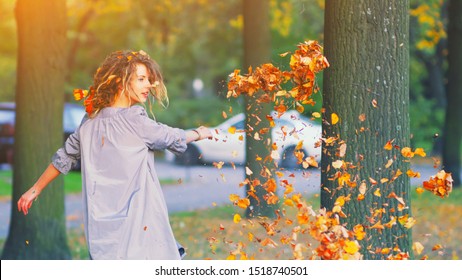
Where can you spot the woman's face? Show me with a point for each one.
(140, 85)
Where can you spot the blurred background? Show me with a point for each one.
(199, 42)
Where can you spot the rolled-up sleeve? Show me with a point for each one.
(157, 136)
(69, 154)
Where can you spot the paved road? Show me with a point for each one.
(199, 187)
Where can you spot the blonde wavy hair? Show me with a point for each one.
(114, 75)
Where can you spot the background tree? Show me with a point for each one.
(39, 106)
(452, 137)
(367, 87)
(257, 50)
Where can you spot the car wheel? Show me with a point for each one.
(289, 160)
(189, 157)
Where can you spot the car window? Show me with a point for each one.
(72, 118)
(6, 116)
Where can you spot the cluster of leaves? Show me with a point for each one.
(305, 63)
(432, 27)
(334, 239)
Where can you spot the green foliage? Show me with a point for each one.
(203, 39)
(426, 123)
(8, 46)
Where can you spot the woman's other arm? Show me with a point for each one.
(26, 200)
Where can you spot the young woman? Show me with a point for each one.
(125, 214)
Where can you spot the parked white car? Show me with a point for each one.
(227, 147)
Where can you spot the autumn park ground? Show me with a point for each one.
(212, 234)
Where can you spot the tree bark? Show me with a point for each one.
(452, 134)
(257, 50)
(39, 110)
(367, 86)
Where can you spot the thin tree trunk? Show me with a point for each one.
(367, 86)
(453, 123)
(257, 50)
(39, 106)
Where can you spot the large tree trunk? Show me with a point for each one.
(39, 100)
(257, 50)
(367, 86)
(452, 135)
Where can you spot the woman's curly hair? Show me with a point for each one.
(114, 75)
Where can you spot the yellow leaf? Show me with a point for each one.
(351, 247)
(237, 218)
(385, 251)
(417, 247)
(234, 197)
(420, 152)
(407, 152)
(334, 118)
(377, 193)
(218, 165)
(316, 115)
(289, 202)
(232, 129)
(299, 145)
(337, 164)
(359, 232)
(231, 258)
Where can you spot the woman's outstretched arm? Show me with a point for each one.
(26, 200)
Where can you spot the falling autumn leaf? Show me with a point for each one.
(374, 103)
(417, 247)
(334, 118)
(440, 184)
(407, 152)
(389, 145)
(337, 164)
(420, 152)
(316, 115)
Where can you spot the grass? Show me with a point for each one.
(72, 182)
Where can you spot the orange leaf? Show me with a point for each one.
(420, 152)
(407, 152)
(389, 145)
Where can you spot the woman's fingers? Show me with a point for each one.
(25, 203)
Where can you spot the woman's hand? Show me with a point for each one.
(26, 200)
(204, 133)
